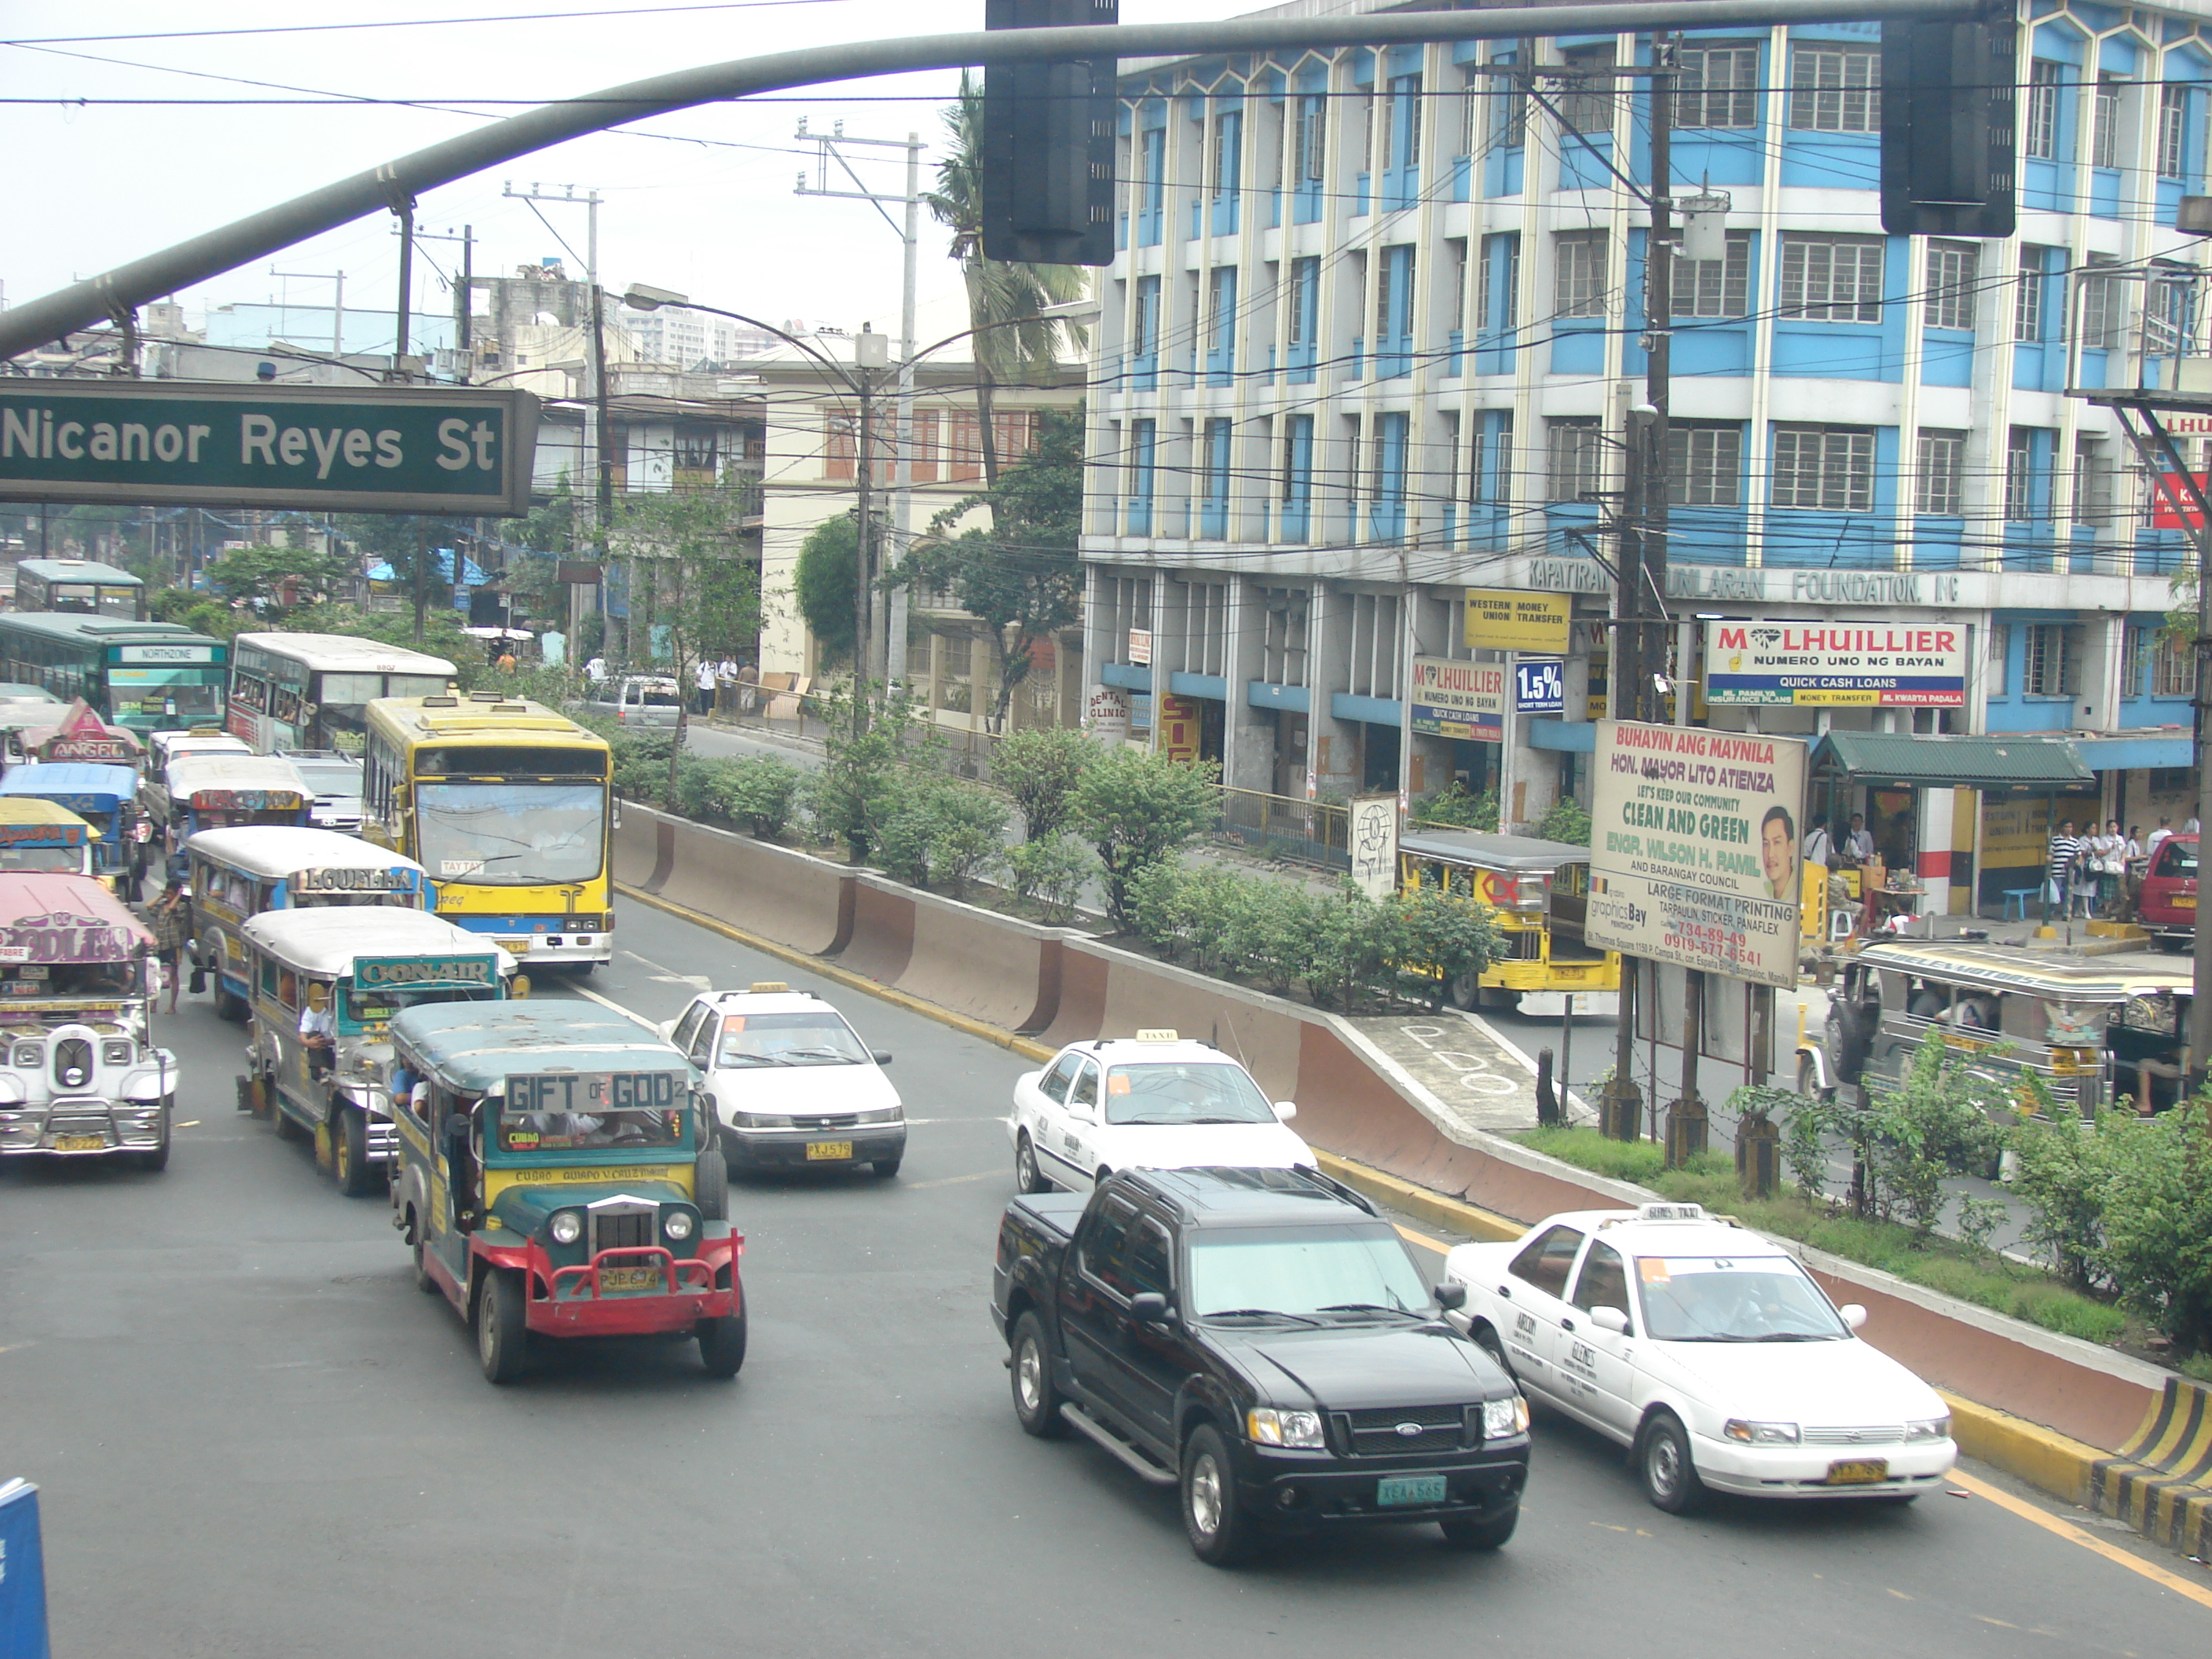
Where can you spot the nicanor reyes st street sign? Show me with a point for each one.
(393, 449)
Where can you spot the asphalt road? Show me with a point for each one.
(253, 1438)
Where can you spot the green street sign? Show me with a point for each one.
(393, 449)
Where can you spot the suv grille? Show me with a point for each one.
(1377, 1433)
(624, 1229)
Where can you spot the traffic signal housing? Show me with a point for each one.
(1947, 127)
(1047, 160)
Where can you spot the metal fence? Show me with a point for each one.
(1311, 831)
(804, 715)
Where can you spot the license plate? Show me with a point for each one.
(515, 947)
(79, 1143)
(2184, 901)
(1857, 1471)
(631, 1279)
(1409, 1491)
(828, 1149)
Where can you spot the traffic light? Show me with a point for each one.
(1048, 162)
(1947, 125)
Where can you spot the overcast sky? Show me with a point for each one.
(87, 188)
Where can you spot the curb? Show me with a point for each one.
(1434, 1208)
(2045, 1459)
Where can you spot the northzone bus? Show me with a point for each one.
(292, 692)
(80, 587)
(142, 676)
(506, 807)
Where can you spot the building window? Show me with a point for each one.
(1510, 105)
(1704, 464)
(1717, 87)
(2000, 659)
(2019, 476)
(1148, 317)
(1574, 458)
(2028, 296)
(1497, 306)
(2173, 131)
(1305, 291)
(2135, 661)
(1143, 447)
(2104, 307)
(2040, 131)
(2050, 665)
(1297, 458)
(1216, 444)
(1401, 132)
(1716, 288)
(1455, 254)
(1835, 89)
(1586, 103)
(1824, 466)
(1832, 279)
(1351, 434)
(1312, 137)
(1940, 483)
(2172, 667)
(1489, 457)
(1950, 284)
(1228, 152)
(2092, 482)
(1393, 293)
(2105, 123)
(1283, 648)
(1579, 286)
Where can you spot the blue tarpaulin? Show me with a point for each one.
(471, 575)
(23, 1574)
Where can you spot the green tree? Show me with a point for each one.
(2158, 1218)
(1137, 809)
(278, 579)
(1041, 770)
(1021, 578)
(822, 583)
(858, 787)
(1012, 343)
(410, 543)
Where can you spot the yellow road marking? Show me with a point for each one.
(2027, 1511)
(1900, 1595)
(189, 1123)
(1424, 1240)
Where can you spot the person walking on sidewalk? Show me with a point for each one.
(703, 682)
(2065, 848)
(172, 926)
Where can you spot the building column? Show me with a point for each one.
(1249, 733)
(1332, 745)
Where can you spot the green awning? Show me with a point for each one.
(1900, 759)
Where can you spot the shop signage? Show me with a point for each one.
(1506, 619)
(62, 936)
(1373, 835)
(1694, 848)
(1902, 588)
(1569, 576)
(1539, 685)
(1178, 738)
(1837, 665)
(166, 654)
(1463, 700)
(1141, 647)
(1106, 715)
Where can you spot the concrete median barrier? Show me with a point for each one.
(881, 943)
(985, 966)
(796, 900)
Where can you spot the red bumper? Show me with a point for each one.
(580, 1301)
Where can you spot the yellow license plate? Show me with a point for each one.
(2183, 901)
(631, 1279)
(515, 947)
(828, 1149)
(79, 1143)
(1857, 1471)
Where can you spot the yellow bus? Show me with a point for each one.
(1537, 892)
(508, 807)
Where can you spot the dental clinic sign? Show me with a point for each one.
(394, 449)
(1837, 665)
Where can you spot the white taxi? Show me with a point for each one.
(792, 1084)
(1708, 1351)
(1152, 1102)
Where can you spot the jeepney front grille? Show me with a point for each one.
(72, 1063)
(624, 1229)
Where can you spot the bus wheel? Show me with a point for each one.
(1466, 991)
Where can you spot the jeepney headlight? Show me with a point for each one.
(27, 1053)
(115, 1053)
(1266, 1426)
(1503, 1418)
(677, 1223)
(567, 1227)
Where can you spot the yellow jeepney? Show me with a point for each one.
(1539, 890)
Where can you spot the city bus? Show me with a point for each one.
(292, 692)
(142, 676)
(508, 807)
(79, 588)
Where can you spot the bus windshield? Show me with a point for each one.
(512, 834)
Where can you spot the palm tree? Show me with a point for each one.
(1011, 342)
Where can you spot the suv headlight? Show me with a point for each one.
(677, 1223)
(1503, 1419)
(1929, 1428)
(1761, 1434)
(1266, 1426)
(567, 1227)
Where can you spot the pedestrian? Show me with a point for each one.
(702, 682)
(2134, 847)
(2158, 837)
(2108, 859)
(1858, 845)
(2189, 827)
(2065, 848)
(506, 662)
(1819, 847)
(172, 926)
(595, 669)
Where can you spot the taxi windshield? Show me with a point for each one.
(1764, 1298)
(1180, 1092)
(1304, 1275)
(625, 1129)
(793, 1039)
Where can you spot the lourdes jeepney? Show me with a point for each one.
(105, 797)
(234, 875)
(1537, 891)
(214, 792)
(555, 1180)
(327, 984)
(80, 1076)
(39, 834)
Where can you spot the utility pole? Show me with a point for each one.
(870, 354)
(886, 646)
(462, 292)
(404, 206)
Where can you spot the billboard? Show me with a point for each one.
(1539, 685)
(1695, 848)
(1507, 619)
(1463, 700)
(1837, 665)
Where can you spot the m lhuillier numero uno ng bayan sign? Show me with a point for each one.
(1694, 848)
(1835, 665)
(396, 449)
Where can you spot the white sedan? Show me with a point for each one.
(1708, 1351)
(1150, 1103)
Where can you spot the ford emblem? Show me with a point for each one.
(1409, 1429)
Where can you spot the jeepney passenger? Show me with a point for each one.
(319, 1032)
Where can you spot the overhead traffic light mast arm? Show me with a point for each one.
(260, 234)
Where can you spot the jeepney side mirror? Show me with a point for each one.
(1285, 1110)
(1451, 1296)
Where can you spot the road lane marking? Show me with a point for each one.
(697, 981)
(630, 1014)
(949, 1180)
(2027, 1511)
(1424, 1240)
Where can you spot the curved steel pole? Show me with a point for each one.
(257, 236)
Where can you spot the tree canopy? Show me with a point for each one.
(828, 565)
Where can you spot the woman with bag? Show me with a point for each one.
(2108, 859)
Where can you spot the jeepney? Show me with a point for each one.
(1539, 891)
(357, 968)
(105, 797)
(21, 713)
(234, 875)
(557, 1178)
(80, 1075)
(2102, 1024)
(39, 835)
(214, 792)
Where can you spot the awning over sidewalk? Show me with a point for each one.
(1904, 760)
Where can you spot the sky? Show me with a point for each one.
(705, 206)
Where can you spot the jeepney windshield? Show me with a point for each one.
(70, 979)
(359, 1009)
(637, 1129)
(14, 855)
(512, 834)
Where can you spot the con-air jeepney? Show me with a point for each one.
(555, 1180)
(327, 984)
(80, 1076)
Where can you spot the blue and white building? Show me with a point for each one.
(1376, 322)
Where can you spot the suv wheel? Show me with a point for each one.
(1220, 1534)
(1037, 1401)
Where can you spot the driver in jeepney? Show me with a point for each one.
(319, 1032)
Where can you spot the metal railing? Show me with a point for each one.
(1311, 831)
(966, 752)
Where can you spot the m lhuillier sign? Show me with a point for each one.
(396, 449)
(1837, 665)
(1694, 848)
